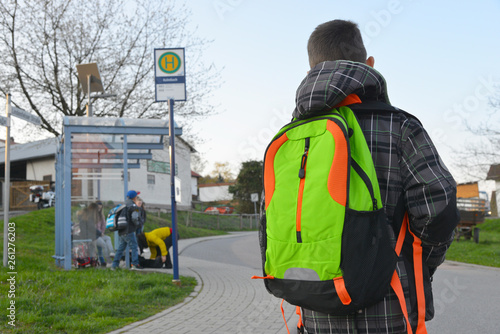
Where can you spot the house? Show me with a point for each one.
(152, 179)
(215, 192)
(36, 161)
(194, 185)
(494, 175)
(31, 161)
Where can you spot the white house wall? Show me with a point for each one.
(497, 192)
(216, 193)
(37, 169)
(194, 186)
(157, 194)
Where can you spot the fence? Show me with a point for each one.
(226, 222)
(20, 193)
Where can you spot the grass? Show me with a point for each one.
(486, 252)
(93, 300)
(154, 221)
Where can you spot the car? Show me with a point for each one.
(219, 209)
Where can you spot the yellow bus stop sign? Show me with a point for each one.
(170, 74)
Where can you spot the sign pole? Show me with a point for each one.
(170, 86)
(89, 105)
(171, 133)
(6, 191)
(5, 121)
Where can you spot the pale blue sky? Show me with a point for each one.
(439, 58)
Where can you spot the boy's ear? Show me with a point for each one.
(370, 61)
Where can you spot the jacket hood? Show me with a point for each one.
(330, 82)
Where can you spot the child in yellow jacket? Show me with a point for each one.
(158, 241)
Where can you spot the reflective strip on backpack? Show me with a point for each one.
(269, 167)
(338, 178)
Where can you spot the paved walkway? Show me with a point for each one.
(226, 300)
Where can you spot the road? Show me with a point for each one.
(466, 297)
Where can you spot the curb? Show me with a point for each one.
(197, 289)
(471, 265)
(165, 312)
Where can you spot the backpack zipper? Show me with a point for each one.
(367, 182)
(302, 177)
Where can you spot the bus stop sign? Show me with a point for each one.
(170, 75)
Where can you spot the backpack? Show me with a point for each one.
(117, 218)
(324, 237)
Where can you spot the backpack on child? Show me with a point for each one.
(117, 218)
(324, 237)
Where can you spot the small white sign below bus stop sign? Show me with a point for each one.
(170, 75)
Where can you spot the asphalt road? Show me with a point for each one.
(466, 297)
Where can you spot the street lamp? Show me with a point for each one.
(90, 79)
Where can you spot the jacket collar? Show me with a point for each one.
(330, 82)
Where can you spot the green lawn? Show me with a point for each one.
(93, 300)
(486, 252)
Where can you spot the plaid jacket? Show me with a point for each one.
(411, 176)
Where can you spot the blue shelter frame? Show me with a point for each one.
(99, 143)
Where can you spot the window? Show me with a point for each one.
(160, 167)
(47, 178)
(151, 179)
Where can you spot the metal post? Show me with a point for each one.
(171, 133)
(89, 105)
(99, 177)
(6, 191)
(59, 226)
(125, 185)
(66, 199)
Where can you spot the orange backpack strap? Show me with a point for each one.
(398, 290)
(283, 314)
(419, 283)
(419, 279)
(300, 325)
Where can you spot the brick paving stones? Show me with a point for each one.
(226, 300)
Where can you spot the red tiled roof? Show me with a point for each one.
(194, 174)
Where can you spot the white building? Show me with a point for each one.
(194, 185)
(215, 192)
(152, 179)
(31, 161)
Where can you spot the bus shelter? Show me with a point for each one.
(93, 163)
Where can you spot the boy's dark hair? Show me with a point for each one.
(336, 40)
(141, 241)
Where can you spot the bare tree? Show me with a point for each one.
(198, 163)
(42, 41)
(481, 148)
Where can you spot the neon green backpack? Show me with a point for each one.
(324, 236)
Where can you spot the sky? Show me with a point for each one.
(439, 58)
